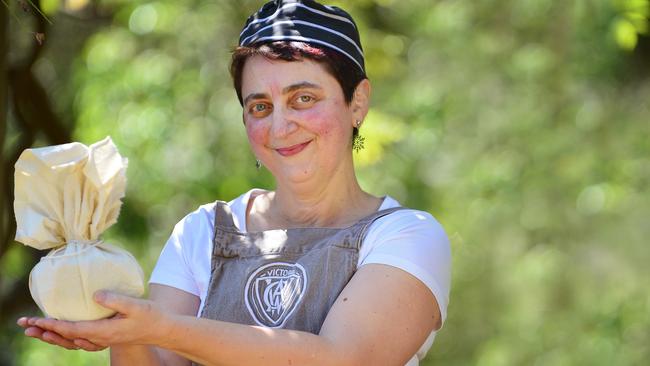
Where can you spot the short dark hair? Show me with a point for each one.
(340, 67)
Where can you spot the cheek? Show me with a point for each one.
(326, 124)
(257, 133)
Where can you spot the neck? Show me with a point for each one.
(336, 201)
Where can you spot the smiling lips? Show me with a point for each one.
(292, 150)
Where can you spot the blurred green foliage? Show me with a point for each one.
(523, 126)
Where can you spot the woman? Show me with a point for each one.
(315, 272)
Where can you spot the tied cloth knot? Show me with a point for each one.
(84, 244)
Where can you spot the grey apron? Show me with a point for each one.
(280, 278)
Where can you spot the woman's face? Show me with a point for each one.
(296, 118)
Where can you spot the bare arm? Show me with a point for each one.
(382, 317)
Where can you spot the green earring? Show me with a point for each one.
(357, 143)
(358, 140)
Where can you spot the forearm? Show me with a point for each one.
(211, 342)
(126, 355)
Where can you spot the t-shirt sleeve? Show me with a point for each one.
(416, 243)
(172, 268)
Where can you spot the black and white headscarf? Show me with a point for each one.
(305, 21)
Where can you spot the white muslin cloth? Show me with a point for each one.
(65, 197)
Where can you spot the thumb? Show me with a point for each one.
(118, 302)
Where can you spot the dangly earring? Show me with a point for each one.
(258, 164)
(357, 139)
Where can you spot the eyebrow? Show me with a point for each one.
(300, 85)
(285, 90)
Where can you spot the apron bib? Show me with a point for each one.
(280, 278)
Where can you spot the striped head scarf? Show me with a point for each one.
(305, 21)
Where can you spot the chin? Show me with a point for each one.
(296, 174)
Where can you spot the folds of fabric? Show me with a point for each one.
(66, 196)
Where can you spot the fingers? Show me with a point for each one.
(34, 332)
(26, 321)
(58, 333)
(22, 321)
(121, 303)
(67, 329)
(57, 340)
(50, 337)
(86, 345)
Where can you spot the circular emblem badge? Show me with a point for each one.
(274, 291)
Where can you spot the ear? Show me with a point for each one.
(360, 101)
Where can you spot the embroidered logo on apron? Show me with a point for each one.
(273, 291)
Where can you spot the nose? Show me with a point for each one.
(282, 123)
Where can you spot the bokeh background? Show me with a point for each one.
(523, 126)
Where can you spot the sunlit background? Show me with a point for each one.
(523, 126)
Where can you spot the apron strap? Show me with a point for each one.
(367, 222)
(223, 217)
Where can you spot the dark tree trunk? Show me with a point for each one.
(24, 99)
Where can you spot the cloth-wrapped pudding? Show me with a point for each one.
(66, 196)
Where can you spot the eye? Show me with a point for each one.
(259, 109)
(304, 101)
(305, 98)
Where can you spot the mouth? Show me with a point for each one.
(292, 150)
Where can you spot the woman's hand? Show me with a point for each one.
(138, 321)
(55, 338)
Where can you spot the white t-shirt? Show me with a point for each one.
(411, 240)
